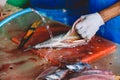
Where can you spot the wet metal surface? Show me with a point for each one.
(110, 62)
(16, 64)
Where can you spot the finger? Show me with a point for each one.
(84, 35)
(90, 35)
(79, 26)
(78, 20)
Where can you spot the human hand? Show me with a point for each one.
(88, 25)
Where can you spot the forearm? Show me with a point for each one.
(110, 12)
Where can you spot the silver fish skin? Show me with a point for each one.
(79, 66)
(58, 75)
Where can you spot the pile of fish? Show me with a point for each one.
(76, 71)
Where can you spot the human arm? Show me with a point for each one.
(89, 24)
(110, 12)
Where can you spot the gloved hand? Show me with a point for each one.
(88, 25)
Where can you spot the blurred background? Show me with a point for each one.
(63, 12)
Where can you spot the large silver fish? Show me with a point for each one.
(59, 74)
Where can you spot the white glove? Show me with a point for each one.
(88, 25)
